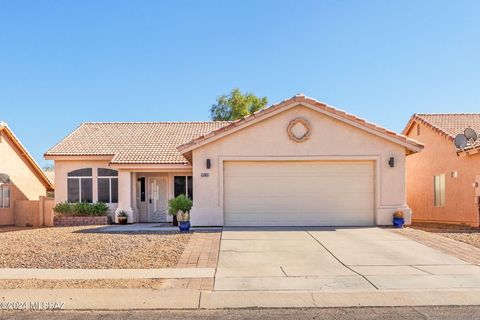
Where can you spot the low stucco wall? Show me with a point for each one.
(60, 221)
(48, 213)
(34, 213)
(268, 140)
(26, 213)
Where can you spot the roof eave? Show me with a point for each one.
(24, 152)
(338, 114)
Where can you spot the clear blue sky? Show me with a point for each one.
(65, 62)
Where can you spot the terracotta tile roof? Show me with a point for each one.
(23, 151)
(133, 142)
(297, 99)
(447, 124)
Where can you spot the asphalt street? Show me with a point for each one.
(385, 313)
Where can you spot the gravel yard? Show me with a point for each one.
(79, 247)
(464, 234)
(91, 284)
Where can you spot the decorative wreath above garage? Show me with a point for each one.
(299, 130)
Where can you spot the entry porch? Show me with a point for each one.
(144, 195)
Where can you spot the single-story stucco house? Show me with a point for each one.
(22, 182)
(443, 182)
(297, 163)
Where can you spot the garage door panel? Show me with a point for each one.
(298, 193)
(299, 185)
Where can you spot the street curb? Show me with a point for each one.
(148, 299)
(89, 274)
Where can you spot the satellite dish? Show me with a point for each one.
(4, 178)
(470, 134)
(460, 141)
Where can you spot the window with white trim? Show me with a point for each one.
(4, 196)
(107, 185)
(439, 190)
(80, 186)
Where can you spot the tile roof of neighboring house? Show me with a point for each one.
(447, 124)
(23, 151)
(297, 99)
(133, 142)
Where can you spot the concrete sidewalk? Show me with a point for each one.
(88, 274)
(135, 299)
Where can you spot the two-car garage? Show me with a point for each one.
(299, 193)
(299, 163)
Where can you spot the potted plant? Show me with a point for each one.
(122, 217)
(179, 207)
(398, 219)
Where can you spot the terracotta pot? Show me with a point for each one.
(122, 220)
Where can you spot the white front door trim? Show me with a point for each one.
(157, 198)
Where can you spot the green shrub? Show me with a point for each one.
(81, 209)
(62, 208)
(180, 203)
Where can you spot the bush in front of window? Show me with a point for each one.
(81, 209)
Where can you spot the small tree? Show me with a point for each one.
(236, 105)
(180, 207)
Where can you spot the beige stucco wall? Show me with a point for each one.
(268, 140)
(63, 167)
(25, 184)
(439, 157)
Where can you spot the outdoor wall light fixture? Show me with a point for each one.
(209, 163)
(391, 162)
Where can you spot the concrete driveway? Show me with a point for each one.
(333, 259)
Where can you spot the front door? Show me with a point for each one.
(157, 199)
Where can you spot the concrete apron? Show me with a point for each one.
(335, 259)
(136, 299)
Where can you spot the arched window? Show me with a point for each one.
(107, 185)
(4, 191)
(79, 186)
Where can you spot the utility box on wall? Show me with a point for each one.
(477, 186)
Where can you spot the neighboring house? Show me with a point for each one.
(442, 182)
(296, 163)
(20, 177)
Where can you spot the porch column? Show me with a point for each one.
(134, 197)
(124, 194)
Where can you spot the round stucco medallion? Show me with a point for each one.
(299, 130)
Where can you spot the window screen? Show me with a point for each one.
(190, 187)
(87, 191)
(142, 189)
(183, 185)
(73, 188)
(104, 190)
(4, 196)
(439, 190)
(180, 184)
(102, 172)
(81, 173)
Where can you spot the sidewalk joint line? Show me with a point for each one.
(428, 272)
(341, 262)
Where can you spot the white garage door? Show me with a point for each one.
(299, 193)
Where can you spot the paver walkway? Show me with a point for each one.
(451, 247)
(201, 252)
